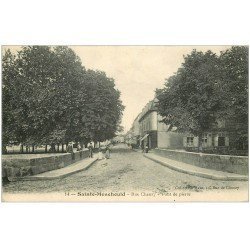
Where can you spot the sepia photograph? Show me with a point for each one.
(125, 123)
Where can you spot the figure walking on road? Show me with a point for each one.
(90, 150)
(107, 152)
(142, 147)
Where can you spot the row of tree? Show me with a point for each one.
(207, 88)
(50, 98)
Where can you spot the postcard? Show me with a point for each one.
(125, 123)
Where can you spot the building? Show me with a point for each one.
(135, 132)
(129, 137)
(155, 133)
(224, 137)
(119, 139)
(209, 140)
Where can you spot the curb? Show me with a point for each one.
(36, 178)
(200, 174)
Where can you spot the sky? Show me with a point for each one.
(137, 70)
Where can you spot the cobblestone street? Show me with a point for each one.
(129, 171)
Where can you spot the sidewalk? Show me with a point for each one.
(194, 170)
(60, 173)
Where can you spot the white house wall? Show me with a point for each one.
(169, 140)
(153, 119)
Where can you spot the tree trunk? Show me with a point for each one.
(21, 149)
(58, 145)
(62, 147)
(4, 149)
(200, 142)
(46, 148)
(33, 148)
(53, 148)
(27, 149)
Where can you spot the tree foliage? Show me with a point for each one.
(206, 88)
(189, 98)
(49, 97)
(234, 86)
(103, 106)
(8, 118)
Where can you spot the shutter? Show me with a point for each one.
(184, 141)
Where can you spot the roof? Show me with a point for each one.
(150, 106)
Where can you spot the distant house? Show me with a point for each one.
(155, 133)
(119, 139)
(135, 132)
(209, 140)
(223, 137)
(129, 137)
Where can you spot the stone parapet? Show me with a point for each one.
(227, 163)
(19, 167)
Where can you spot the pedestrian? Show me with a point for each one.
(107, 152)
(142, 147)
(71, 150)
(146, 149)
(79, 147)
(90, 150)
(100, 154)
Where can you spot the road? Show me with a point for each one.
(129, 171)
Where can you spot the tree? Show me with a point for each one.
(234, 84)
(49, 98)
(104, 107)
(189, 100)
(70, 89)
(9, 121)
(45, 92)
(233, 90)
(36, 77)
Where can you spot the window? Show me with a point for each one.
(204, 139)
(190, 141)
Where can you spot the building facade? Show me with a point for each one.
(224, 137)
(153, 132)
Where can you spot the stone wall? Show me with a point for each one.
(19, 167)
(227, 163)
